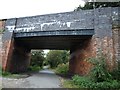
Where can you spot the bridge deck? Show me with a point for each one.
(54, 33)
(52, 42)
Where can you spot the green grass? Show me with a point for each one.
(8, 74)
(69, 84)
(66, 83)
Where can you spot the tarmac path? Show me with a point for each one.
(42, 79)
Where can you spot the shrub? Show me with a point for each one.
(116, 73)
(99, 71)
(99, 76)
(85, 82)
(82, 82)
(62, 68)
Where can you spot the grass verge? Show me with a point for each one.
(66, 83)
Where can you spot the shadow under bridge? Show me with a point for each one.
(58, 40)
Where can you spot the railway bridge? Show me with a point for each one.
(84, 33)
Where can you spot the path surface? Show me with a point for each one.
(43, 79)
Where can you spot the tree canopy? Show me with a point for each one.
(37, 58)
(55, 57)
(91, 5)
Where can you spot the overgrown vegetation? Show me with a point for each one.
(62, 69)
(99, 76)
(69, 84)
(85, 82)
(99, 72)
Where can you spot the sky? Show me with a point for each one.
(23, 8)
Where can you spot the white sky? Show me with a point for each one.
(22, 8)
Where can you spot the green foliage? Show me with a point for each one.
(34, 68)
(10, 75)
(91, 5)
(82, 82)
(99, 71)
(62, 68)
(116, 73)
(1, 31)
(69, 84)
(56, 57)
(99, 76)
(37, 58)
(4, 73)
(85, 82)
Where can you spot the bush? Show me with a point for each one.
(85, 82)
(82, 82)
(99, 76)
(99, 72)
(62, 68)
(116, 73)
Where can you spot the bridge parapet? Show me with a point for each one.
(100, 18)
(61, 21)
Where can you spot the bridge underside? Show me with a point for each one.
(52, 42)
(22, 44)
(20, 58)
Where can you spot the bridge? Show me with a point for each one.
(83, 32)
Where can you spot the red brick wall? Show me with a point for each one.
(2, 23)
(91, 48)
(19, 60)
(116, 38)
(6, 53)
(0, 49)
(78, 60)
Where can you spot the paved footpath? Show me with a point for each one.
(43, 79)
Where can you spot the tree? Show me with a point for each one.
(55, 57)
(91, 5)
(37, 58)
